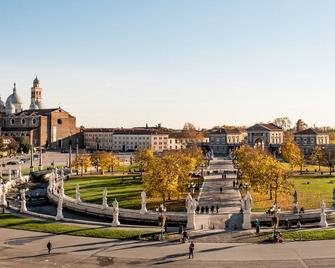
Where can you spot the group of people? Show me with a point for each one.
(207, 209)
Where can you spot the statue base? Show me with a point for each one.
(246, 221)
(143, 211)
(323, 222)
(59, 216)
(190, 221)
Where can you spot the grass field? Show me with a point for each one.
(309, 195)
(305, 167)
(14, 222)
(128, 192)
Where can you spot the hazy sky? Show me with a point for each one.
(127, 63)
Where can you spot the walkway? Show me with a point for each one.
(229, 201)
(28, 249)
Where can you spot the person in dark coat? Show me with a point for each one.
(207, 209)
(202, 210)
(212, 209)
(49, 247)
(191, 251)
(220, 189)
(217, 208)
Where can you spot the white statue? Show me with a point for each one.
(59, 215)
(246, 204)
(61, 188)
(191, 206)
(77, 194)
(323, 215)
(23, 208)
(143, 203)
(62, 174)
(115, 213)
(3, 196)
(104, 198)
(50, 186)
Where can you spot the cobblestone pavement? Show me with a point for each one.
(28, 249)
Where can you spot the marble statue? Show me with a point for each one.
(246, 204)
(116, 221)
(77, 194)
(3, 196)
(323, 215)
(23, 208)
(61, 188)
(59, 215)
(143, 203)
(104, 198)
(295, 202)
(191, 206)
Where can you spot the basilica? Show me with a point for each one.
(52, 128)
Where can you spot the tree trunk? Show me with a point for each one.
(270, 193)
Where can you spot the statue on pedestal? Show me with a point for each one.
(191, 206)
(59, 215)
(323, 215)
(61, 188)
(3, 196)
(104, 198)
(77, 194)
(295, 202)
(116, 221)
(23, 208)
(143, 203)
(246, 204)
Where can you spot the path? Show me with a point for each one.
(27, 249)
(229, 200)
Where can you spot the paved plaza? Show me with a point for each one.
(28, 249)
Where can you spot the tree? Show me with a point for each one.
(329, 157)
(168, 175)
(318, 156)
(108, 162)
(96, 159)
(143, 157)
(190, 132)
(82, 163)
(291, 153)
(283, 122)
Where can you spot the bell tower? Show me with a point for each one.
(36, 94)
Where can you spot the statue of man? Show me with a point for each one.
(295, 197)
(188, 202)
(323, 207)
(143, 197)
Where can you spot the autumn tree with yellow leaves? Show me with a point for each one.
(168, 175)
(291, 153)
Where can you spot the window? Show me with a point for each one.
(23, 121)
(59, 121)
(12, 121)
(34, 121)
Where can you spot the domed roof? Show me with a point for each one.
(14, 98)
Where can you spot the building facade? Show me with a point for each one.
(266, 136)
(222, 141)
(307, 139)
(50, 128)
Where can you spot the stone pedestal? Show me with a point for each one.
(323, 222)
(295, 208)
(191, 221)
(246, 221)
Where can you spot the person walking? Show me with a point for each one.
(212, 209)
(217, 208)
(191, 251)
(221, 190)
(49, 247)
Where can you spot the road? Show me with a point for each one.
(28, 249)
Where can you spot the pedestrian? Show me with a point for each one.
(212, 209)
(217, 208)
(202, 210)
(234, 184)
(191, 251)
(220, 189)
(257, 224)
(207, 209)
(49, 246)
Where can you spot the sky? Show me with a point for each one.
(130, 62)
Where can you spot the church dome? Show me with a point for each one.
(14, 98)
(36, 81)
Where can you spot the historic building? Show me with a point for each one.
(50, 128)
(307, 139)
(266, 136)
(222, 141)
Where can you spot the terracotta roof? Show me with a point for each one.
(309, 131)
(38, 112)
(99, 129)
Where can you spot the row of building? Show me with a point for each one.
(56, 129)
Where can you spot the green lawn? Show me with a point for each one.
(310, 235)
(14, 222)
(309, 195)
(305, 167)
(127, 193)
